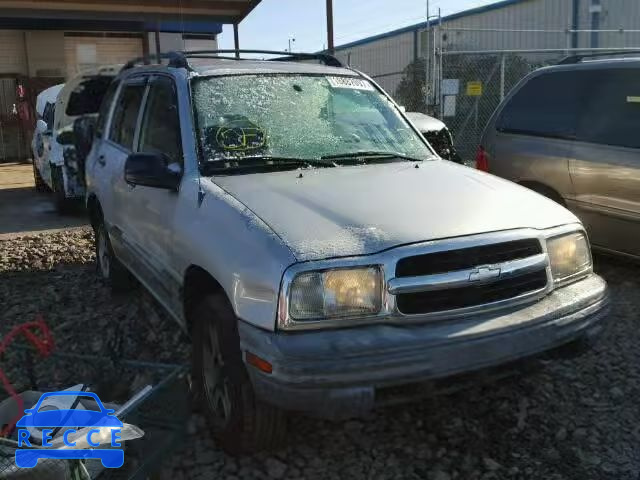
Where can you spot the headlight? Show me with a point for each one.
(569, 255)
(336, 293)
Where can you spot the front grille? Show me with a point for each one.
(455, 298)
(451, 260)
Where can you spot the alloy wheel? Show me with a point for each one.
(104, 260)
(214, 379)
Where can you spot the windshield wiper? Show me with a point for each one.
(365, 156)
(261, 163)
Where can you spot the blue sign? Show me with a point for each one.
(50, 422)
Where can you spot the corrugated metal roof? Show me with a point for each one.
(223, 11)
(423, 25)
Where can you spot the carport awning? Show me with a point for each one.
(223, 11)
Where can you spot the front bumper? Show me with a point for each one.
(336, 373)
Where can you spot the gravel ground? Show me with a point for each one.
(572, 419)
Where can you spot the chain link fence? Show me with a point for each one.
(472, 85)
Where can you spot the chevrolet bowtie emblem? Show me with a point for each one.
(481, 274)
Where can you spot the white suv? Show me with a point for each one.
(298, 226)
(57, 167)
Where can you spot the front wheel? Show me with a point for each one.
(240, 422)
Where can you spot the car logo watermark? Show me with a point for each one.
(482, 274)
(74, 433)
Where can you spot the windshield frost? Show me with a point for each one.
(297, 116)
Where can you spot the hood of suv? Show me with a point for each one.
(348, 211)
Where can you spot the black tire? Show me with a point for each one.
(240, 422)
(109, 268)
(63, 204)
(37, 178)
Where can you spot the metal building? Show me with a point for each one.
(502, 26)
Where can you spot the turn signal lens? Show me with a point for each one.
(258, 362)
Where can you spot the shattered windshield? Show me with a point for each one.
(298, 117)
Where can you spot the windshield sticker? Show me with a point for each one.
(351, 83)
(240, 135)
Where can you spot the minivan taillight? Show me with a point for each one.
(482, 161)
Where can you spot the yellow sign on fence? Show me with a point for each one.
(474, 89)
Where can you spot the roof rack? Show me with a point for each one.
(326, 59)
(176, 60)
(573, 59)
(181, 59)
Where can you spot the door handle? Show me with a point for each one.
(102, 161)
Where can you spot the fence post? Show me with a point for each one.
(502, 74)
(438, 70)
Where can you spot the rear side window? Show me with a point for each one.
(104, 108)
(125, 116)
(548, 105)
(612, 113)
(87, 97)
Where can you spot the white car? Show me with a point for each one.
(56, 167)
(41, 143)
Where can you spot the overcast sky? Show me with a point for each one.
(271, 24)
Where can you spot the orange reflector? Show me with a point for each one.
(258, 362)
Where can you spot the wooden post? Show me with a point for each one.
(236, 39)
(158, 45)
(330, 26)
(145, 46)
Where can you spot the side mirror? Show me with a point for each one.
(41, 126)
(152, 170)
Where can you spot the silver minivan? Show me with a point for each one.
(572, 133)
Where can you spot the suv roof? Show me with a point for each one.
(215, 62)
(586, 64)
(601, 56)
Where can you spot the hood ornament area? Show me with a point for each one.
(482, 274)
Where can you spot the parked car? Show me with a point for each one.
(41, 142)
(321, 262)
(569, 132)
(56, 166)
(437, 134)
